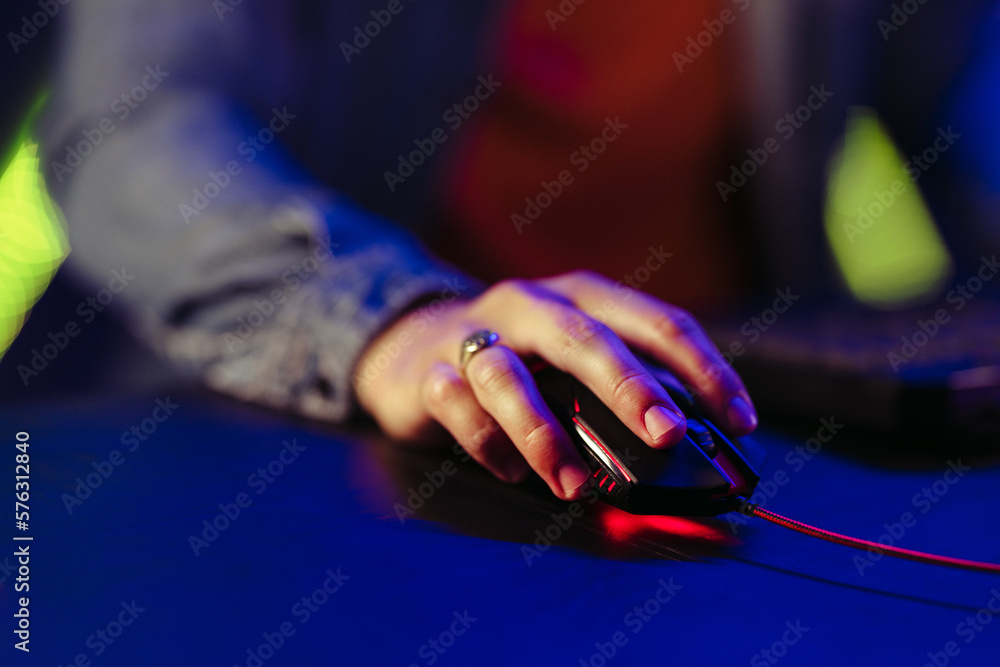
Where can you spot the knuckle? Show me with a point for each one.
(714, 369)
(711, 375)
(443, 388)
(492, 373)
(512, 287)
(478, 442)
(538, 442)
(624, 386)
(717, 372)
(575, 330)
(676, 323)
(507, 294)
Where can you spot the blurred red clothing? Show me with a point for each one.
(606, 68)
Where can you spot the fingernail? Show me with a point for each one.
(571, 478)
(516, 469)
(741, 416)
(659, 421)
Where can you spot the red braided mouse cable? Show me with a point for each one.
(750, 509)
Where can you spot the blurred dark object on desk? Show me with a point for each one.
(925, 378)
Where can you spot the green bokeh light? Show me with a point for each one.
(880, 229)
(32, 239)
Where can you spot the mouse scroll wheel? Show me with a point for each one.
(702, 437)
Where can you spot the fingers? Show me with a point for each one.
(449, 399)
(583, 324)
(498, 417)
(674, 336)
(670, 335)
(504, 388)
(536, 321)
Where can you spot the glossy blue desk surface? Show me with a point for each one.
(319, 561)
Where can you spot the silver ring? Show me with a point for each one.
(478, 341)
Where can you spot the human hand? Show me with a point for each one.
(582, 323)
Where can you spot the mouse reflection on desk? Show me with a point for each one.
(703, 475)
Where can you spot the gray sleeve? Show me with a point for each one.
(238, 267)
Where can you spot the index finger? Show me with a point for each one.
(670, 335)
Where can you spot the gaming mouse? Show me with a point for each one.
(703, 475)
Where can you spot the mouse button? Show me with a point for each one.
(685, 466)
(645, 462)
(745, 452)
(702, 436)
